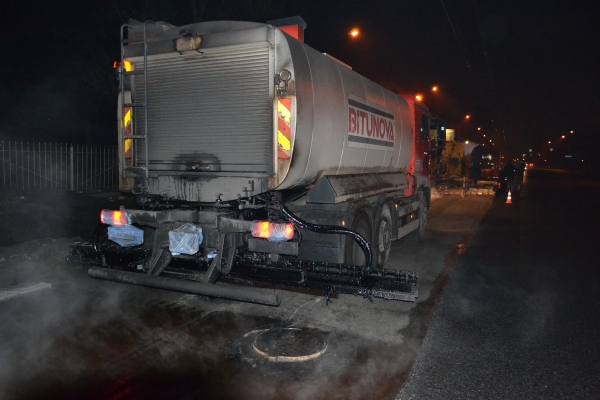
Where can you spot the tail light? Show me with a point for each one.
(275, 232)
(115, 217)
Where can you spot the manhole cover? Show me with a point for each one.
(287, 352)
(289, 344)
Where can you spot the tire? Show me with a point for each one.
(229, 250)
(353, 253)
(383, 236)
(423, 215)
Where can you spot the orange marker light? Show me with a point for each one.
(128, 65)
(275, 232)
(115, 217)
(263, 230)
(289, 231)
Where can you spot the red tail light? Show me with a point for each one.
(276, 232)
(115, 217)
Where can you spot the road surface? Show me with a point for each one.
(85, 338)
(520, 318)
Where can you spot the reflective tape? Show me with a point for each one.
(127, 131)
(127, 118)
(283, 109)
(284, 116)
(283, 142)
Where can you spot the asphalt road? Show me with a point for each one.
(91, 339)
(520, 318)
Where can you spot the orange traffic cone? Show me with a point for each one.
(508, 198)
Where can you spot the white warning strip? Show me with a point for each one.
(19, 289)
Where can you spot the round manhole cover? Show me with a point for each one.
(289, 344)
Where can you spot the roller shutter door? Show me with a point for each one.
(213, 110)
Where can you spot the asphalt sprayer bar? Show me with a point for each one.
(251, 295)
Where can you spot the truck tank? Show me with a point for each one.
(255, 110)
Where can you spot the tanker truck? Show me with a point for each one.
(257, 161)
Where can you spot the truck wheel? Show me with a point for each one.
(354, 254)
(419, 233)
(228, 256)
(383, 236)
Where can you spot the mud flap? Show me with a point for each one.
(161, 256)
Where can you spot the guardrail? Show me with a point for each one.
(74, 167)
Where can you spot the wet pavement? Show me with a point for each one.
(92, 339)
(520, 317)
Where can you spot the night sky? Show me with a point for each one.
(524, 70)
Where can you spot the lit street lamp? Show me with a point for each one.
(354, 34)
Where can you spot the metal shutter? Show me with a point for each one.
(212, 109)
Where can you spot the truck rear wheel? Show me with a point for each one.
(423, 215)
(353, 253)
(383, 236)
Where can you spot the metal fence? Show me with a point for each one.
(38, 166)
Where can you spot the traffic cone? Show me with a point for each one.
(508, 198)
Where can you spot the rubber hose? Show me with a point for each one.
(331, 229)
(96, 240)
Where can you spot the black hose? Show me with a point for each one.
(99, 237)
(330, 229)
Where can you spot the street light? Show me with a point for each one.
(563, 136)
(467, 116)
(434, 89)
(353, 34)
(419, 97)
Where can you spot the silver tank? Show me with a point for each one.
(326, 94)
(213, 114)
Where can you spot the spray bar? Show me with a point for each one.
(238, 293)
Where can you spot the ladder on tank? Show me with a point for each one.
(133, 105)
